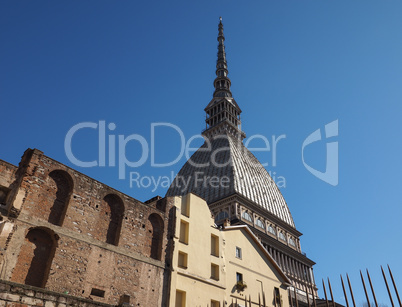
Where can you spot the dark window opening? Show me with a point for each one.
(35, 258)
(157, 236)
(97, 292)
(116, 208)
(238, 252)
(3, 195)
(277, 297)
(62, 187)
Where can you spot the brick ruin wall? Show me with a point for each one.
(7, 178)
(68, 232)
(17, 295)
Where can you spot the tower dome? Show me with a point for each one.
(223, 167)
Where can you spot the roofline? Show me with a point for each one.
(261, 210)
(255, 239)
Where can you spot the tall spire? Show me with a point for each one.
(222, 82)
(222, 112)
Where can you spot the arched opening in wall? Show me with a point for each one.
(62, 186)
(35, 257)
(246, 216)
(114, 213)
(157, 236)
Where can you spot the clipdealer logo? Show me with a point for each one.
(331, 173)
(109, 156)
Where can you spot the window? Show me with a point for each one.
(60, 190)
(183, 232)
(282, 236)
(3, 195)
(182, 261)
(292, 242)
(277, 298)
(155, 228)
(185, 207)
(260, 224)
(180, 299)
(221, 216)
(271, 230)
(247, 216)
(214, 271)
(240, 283)
(113, 208)
(214, 246)
(97, 292)
(215, 303)
(238, 252)
(305, 274)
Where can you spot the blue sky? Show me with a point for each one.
(294, 65)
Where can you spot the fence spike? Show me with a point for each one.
(351, 291)
(291, 299)
(344, 292)
(386, 283)
(393, 282)
(365, 290)
(325, 292)
(330, 291)
(297, 302)
(312, 292)
(372, 289)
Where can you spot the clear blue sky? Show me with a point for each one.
(295, 66)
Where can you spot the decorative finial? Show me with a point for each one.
(220, 18)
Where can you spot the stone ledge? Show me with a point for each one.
(27, 295)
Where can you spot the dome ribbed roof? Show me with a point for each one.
(235, 171)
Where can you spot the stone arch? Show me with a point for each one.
(35, 257)
(292, 242)
(156, 231)
(260, 223)
(247, 216)
(61, 189)
(271, 229)
(112, 213)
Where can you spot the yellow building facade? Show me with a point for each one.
(218, 266)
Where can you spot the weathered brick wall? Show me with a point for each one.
(103, 239)
(7, 177)
(7, 173)
(86, 210)
(7, 182)
(16, 295)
